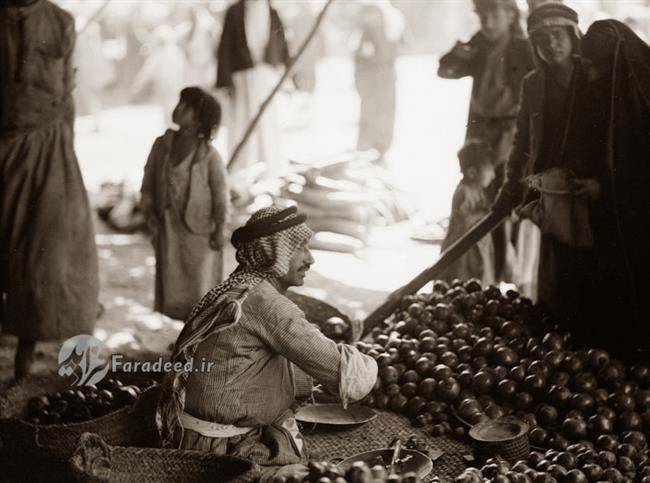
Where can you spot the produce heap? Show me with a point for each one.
(359, 472)
(83, 404)
(464, 353)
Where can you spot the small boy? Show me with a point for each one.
(471, 203)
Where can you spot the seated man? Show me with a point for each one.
(264, 352)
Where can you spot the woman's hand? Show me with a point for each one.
(588, 187)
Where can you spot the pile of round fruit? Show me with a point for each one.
(609, 460)
(359, 472)
(468, 353)
(83, 404)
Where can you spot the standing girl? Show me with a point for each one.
(184, 199)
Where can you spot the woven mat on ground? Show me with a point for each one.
(331, 443)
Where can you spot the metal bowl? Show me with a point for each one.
(335, 415)
(418, 463)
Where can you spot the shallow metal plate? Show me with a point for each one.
(335, 415)
(417, 463)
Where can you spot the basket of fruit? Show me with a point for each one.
(42, 418)
(94, 460)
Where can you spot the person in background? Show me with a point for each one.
(265, 354)
(497, 58)
(204, 33)
(469, 205)
(94, 72)
(185, 202)
(622, 58)
(299, 24)
(561, 126)
(382, 28)
(48, 259)
(251, 51)
(157, 73)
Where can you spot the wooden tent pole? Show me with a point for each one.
(267, 101)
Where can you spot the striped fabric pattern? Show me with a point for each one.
(260, 259)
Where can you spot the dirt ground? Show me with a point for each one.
(430, 126)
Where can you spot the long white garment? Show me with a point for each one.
(529, 243)
(257, 23)
(251, 88)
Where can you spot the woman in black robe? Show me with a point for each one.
(622, 60)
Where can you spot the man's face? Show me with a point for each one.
(496, 22)
(298, 267)
(555, 44)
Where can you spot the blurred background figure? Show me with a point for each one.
(165, 70)
(382, 27)
(300, 18)
(469, 205)
(94, 71)
(250, 55)
(48, 259)
(203, 36)
(497, 57)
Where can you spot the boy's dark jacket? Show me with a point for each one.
(518, 58)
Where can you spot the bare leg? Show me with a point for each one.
(24, 358)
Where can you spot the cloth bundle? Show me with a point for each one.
(558, 211)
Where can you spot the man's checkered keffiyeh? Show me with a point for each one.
(259, 259)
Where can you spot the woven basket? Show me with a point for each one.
(95, 461)
(511, 447)
(41, 452)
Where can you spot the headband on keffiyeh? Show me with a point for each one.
(265, 246)
(552, 14)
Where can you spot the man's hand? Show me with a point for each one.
(464, 51)
(526, 211)
(217, 240)
(320, 395)
(588, 187)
